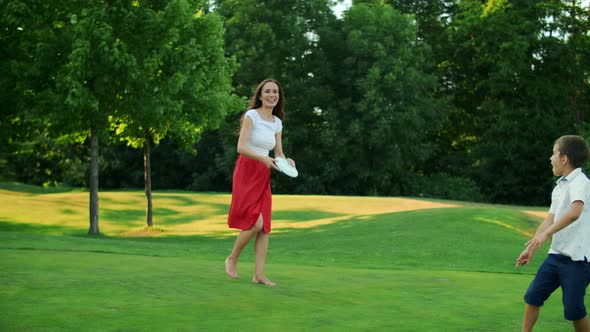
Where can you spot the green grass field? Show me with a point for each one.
(341, 263)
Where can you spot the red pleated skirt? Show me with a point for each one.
(251, 195)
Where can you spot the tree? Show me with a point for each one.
(279, 39)
(179, 80)
(385, 105)
(567, 22)
(45, 61)
(432, 16)
(92, 80)
(143, 69)
(509, 96)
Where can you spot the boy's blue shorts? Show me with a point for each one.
(572, 276)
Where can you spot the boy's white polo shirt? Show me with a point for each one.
(573, 240)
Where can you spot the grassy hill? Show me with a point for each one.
(342, 263)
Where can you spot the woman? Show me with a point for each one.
(261, 128)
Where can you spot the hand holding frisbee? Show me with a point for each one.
(285, 167)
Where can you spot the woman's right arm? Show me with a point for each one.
(243, 149)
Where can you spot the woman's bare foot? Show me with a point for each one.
(263, 280)
(231, 267)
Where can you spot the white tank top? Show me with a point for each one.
(262, 139)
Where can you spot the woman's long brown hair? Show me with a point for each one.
(255, 101)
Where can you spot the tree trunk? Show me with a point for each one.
(93, 230)
(148, 176)
(577, 80)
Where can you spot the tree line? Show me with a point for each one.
(448, 99)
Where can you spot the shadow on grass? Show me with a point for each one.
(164, 216)
(447, 239)
(123, 216)
(218, 208)
(170, 217)
(31, 189)
(132, 216)
(117, 201)
(304, 215)
(182, 200)
(475, 238)
(68, 211)
(7, 226)
(466, 239)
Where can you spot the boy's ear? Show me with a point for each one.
(564, 159)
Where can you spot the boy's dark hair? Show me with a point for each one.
(575, 148)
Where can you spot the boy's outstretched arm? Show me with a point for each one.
(572, 214)
(526, 255)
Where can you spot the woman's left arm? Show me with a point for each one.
(278, 151)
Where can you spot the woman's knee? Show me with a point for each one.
(258, 225)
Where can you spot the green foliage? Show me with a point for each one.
(444, 186)
(511, 106)
(279, 40)
(32, 189)
(31, 42)
(378, 102)
(179, 77)
(377, 132)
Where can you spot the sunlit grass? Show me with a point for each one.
(342, 263)
(58, 290)
(182, 213)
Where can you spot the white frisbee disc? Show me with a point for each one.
(284, 166)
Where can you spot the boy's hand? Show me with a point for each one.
(525, 257)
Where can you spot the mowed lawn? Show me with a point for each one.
(341, 263)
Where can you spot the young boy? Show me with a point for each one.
(568, 222)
